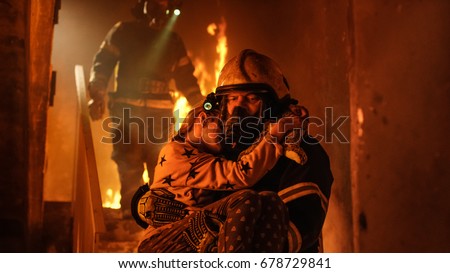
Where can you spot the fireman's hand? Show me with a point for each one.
(97, 103)
(96, 108)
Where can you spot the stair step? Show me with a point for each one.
(121, 236)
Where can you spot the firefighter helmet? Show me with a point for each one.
(255, 72)
(157, 12)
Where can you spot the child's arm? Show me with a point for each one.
(183, 165)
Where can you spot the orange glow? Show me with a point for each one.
(111, 199)
(221, 48)
(204, 78)
(145, 177)
(206, 81)
(181, 109)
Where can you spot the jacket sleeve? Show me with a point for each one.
(188, 167)
(106, 58)
(306, 191)
(307, 212)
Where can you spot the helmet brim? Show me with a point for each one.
(245, 87)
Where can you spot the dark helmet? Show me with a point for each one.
(156, 12)
(253, 72)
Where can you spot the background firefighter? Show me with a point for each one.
(148, 56)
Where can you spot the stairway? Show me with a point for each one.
(121, 236)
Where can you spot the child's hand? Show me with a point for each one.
(302, 112)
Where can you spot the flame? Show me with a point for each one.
(205, 79)
(111, 199)
(180, 109)
(145, 176)
(222, 46)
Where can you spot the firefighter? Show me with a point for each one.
(185, 209)
(252, 86)
(251, 92)
(145, 56)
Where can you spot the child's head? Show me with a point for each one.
(203, 127)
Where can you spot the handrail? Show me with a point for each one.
(87, 201)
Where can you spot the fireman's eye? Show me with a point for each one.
(232, 98)
(253, 98)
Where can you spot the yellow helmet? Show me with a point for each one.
(253, 72)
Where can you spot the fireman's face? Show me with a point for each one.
(212, 135)
(250, 102)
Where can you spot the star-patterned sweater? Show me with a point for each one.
(193, 176)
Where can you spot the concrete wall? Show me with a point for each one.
(14, 154)
(26, 32)
(400, 97)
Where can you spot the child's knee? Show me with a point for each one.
(270, 197)
(247, 198)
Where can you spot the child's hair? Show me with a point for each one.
(189, 121)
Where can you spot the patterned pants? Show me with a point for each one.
(245, 221)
